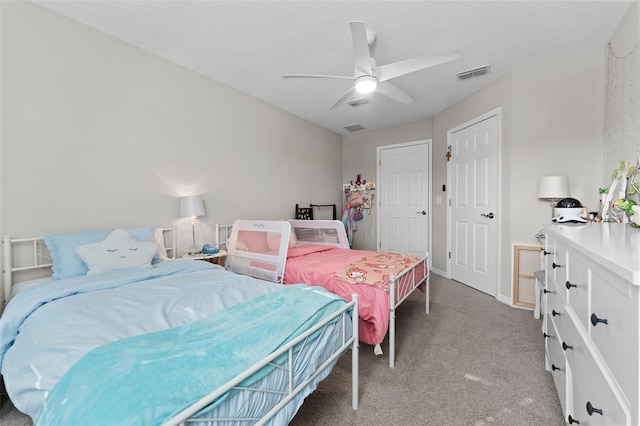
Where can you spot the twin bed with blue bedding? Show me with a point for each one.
(168, 341)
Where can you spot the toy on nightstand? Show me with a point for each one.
(209, 249)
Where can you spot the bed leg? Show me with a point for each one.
(426, 294)
(392, 323)
(354, 354)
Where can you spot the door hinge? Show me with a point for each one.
(449, 255)
(448, 154)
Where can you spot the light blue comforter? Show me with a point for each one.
(148, 379)
(46, 329)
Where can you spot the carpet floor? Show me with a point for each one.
(471, 361)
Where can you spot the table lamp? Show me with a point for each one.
(192, 206)
(553, 188)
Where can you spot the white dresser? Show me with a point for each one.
(592, 321)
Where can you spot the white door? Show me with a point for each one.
(474, 215)
(404, 196)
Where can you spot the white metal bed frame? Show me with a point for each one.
(352, 342)
(39, 259)
(400, 287)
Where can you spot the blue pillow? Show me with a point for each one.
(62, 247)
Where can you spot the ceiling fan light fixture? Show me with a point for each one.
(366, 84)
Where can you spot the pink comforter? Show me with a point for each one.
(317, 265)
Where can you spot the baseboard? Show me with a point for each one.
(439, 272)
(504, 299)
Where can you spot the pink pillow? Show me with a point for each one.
(273, 240)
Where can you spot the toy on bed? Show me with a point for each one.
(317, 253)
(120, 334)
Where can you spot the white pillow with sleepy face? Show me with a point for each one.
(118, 251)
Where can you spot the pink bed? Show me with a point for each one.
(313, 252)
(318, 265)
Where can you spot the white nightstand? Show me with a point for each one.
(217, 258)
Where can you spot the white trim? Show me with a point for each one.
(429, 143)
(497, 112)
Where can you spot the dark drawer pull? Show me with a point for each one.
(569, 285)
(554, 368)
(565, 346)
(546, 252)
(592, 410)
(595, 320)
(572, 420)
(554, 313)
(556, 265)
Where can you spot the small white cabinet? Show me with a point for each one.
(592, 326)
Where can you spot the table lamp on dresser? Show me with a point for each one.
(553, 189)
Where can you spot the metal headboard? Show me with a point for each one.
(223, 233)
(35, 256)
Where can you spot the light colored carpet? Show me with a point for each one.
(471, 361)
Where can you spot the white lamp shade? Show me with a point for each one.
(191, 206)
(554, 187)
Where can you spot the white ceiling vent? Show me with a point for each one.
(475, 72)
(354, 127)
(358, 102)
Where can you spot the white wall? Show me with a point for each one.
(558, 119)
(622, 119)
(96, 133)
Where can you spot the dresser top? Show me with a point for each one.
(616, 246)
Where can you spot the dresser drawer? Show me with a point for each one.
(591, 393)
(616, 302)
(577, 287)
(556, 266)
(557, 312)
(557, 363)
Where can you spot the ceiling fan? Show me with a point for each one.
(369, 77)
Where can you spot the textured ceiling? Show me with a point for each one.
(249, 45)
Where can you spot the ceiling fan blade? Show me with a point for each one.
(361, 47)
(315, 76)
(393, 92)
(396, 69)
(351, 93)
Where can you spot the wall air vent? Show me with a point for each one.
(475, 72)
(354, 127)
(358, 102)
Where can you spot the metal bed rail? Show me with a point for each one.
(349, 310)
